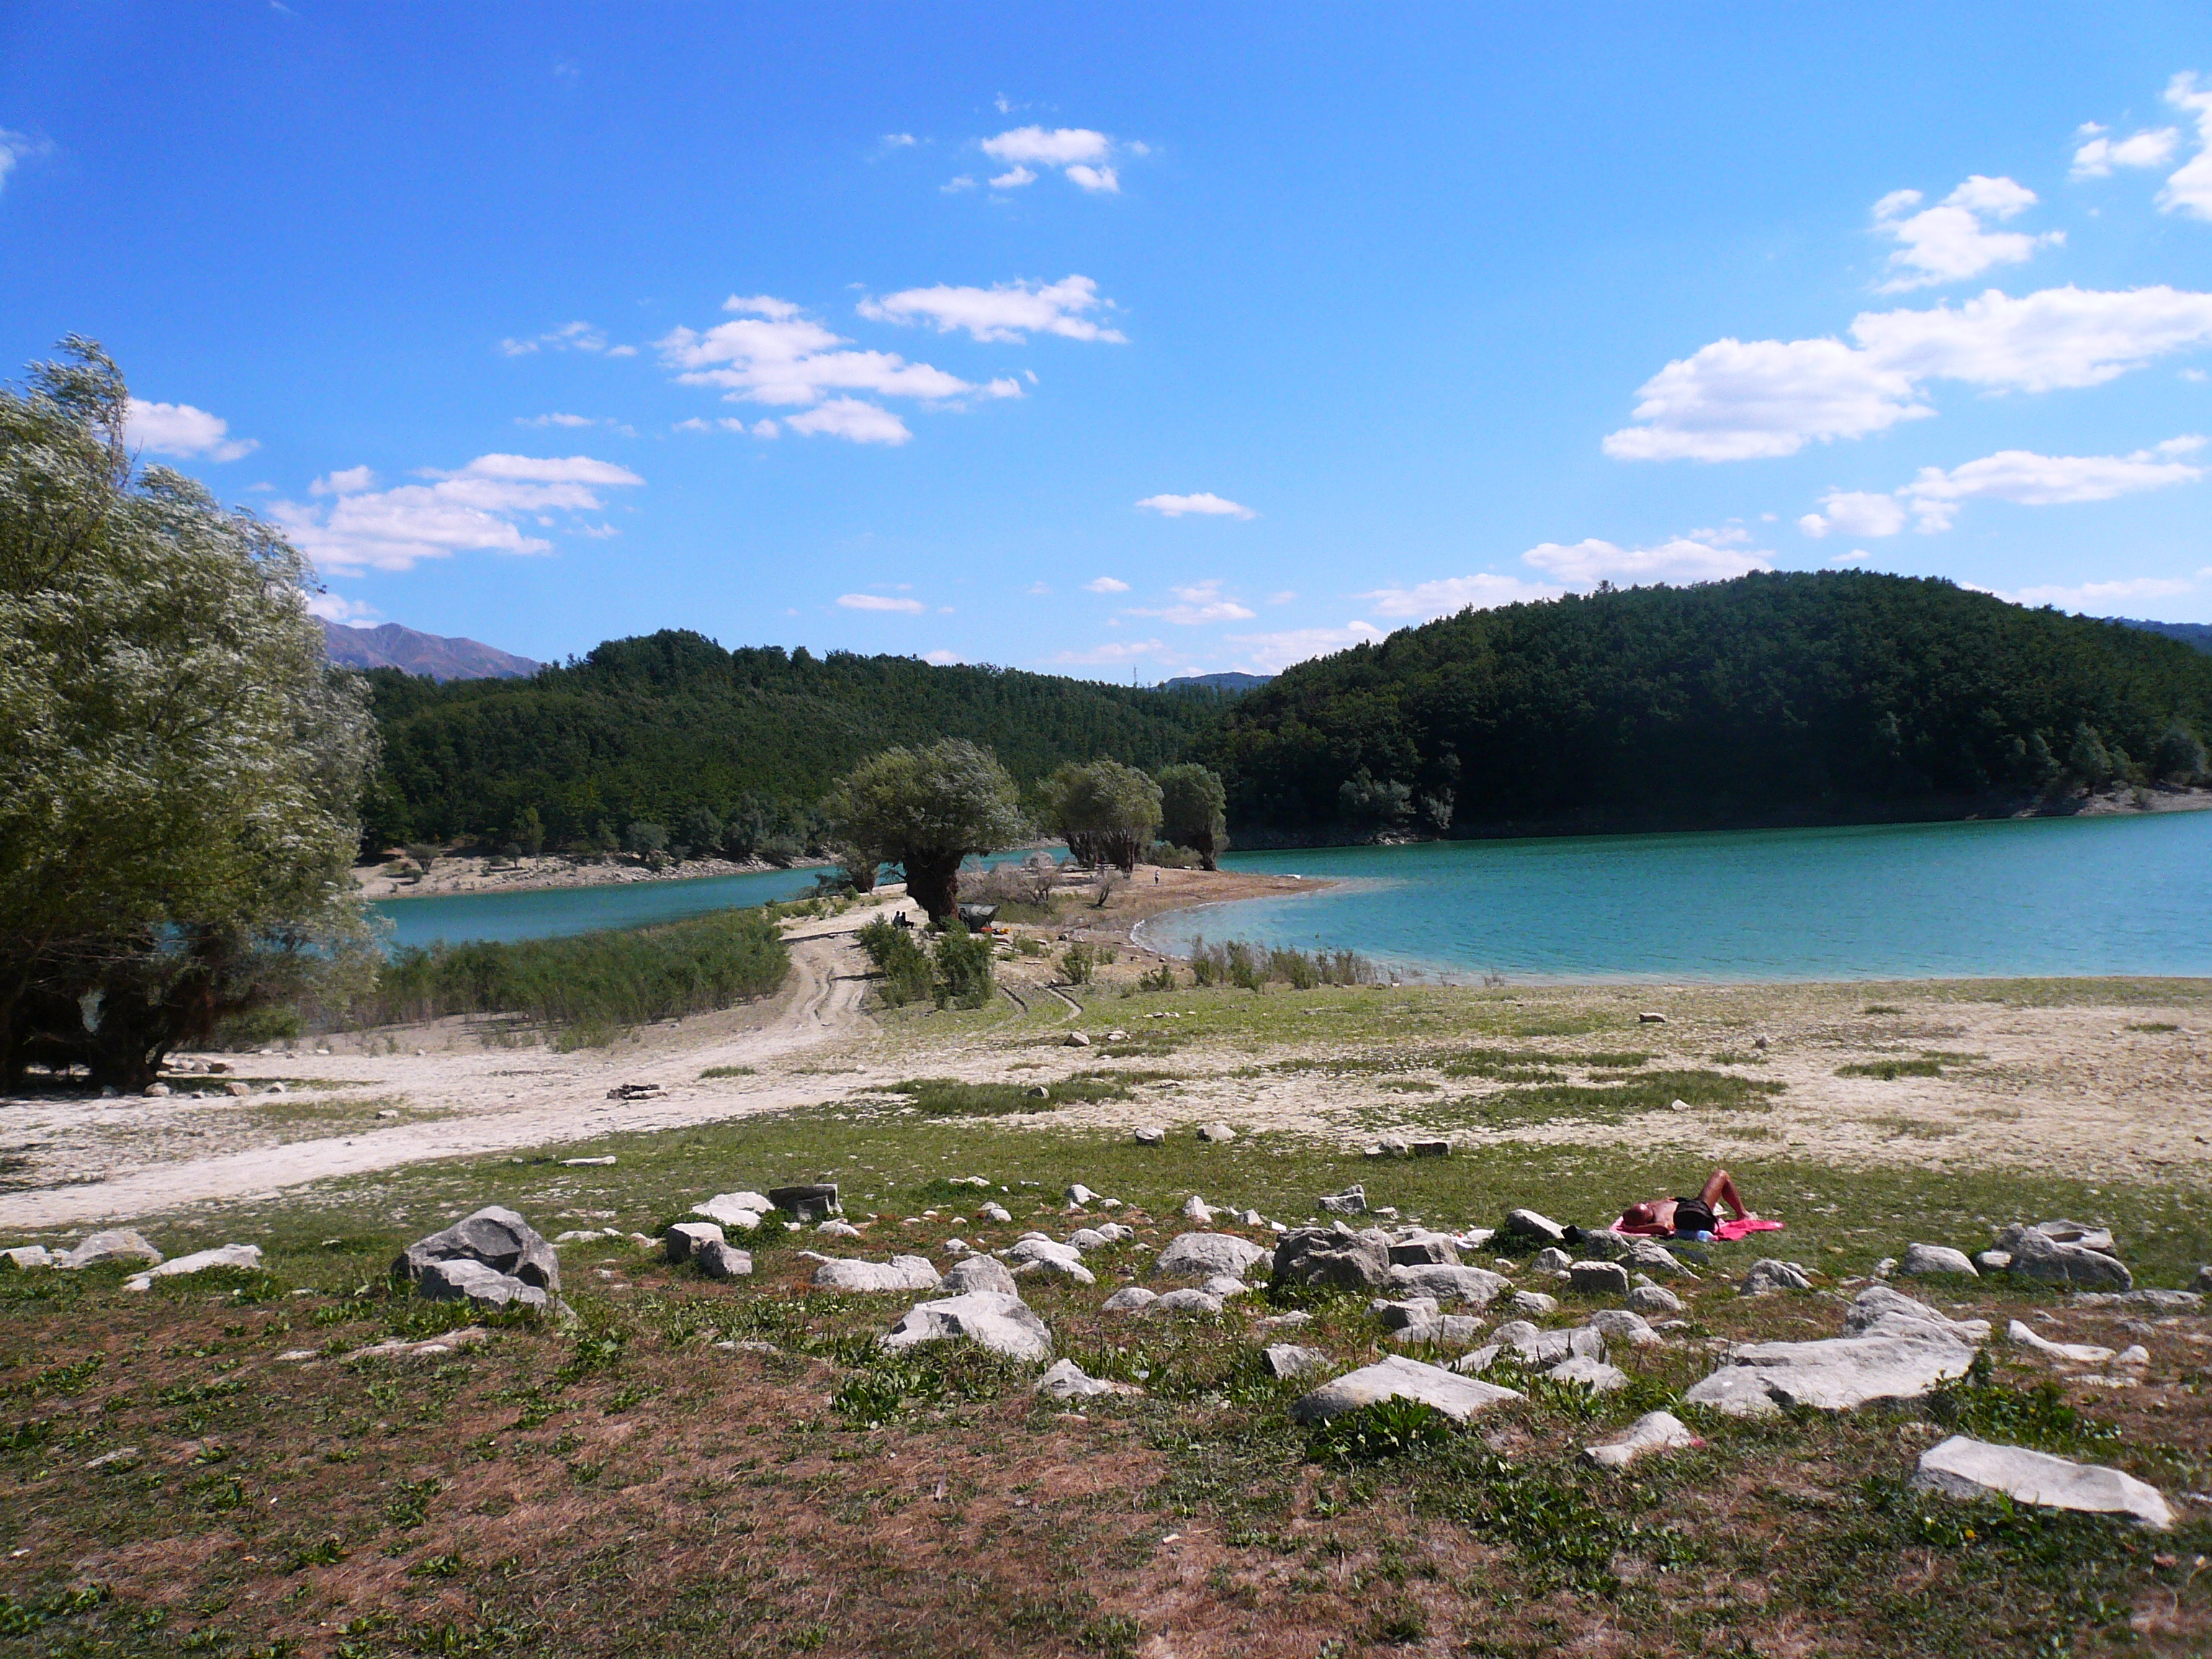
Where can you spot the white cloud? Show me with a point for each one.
(180, 430)
(1207, 505)
(472, 510)
(1105, 584)
(1200, 603)
(1679, 559)
(943, 658)
(1009, 312)
(1270, 653)
(1013, 179)
(1056, 148)
(854, 419)
(1095, 179)
(954, 186)
(2189, 189)
(1857, 555)
(2097, 158)
(570, 337)
(771, 354)
(351, 481)
(1038, 590)
(1453, 594)
(1737, 400)
(880, 602)
(16, 147)
(2097, 596)
(1950, 241)
(555, 420)
(1855, 512)
(2032, 480)
(1116, 650)
(898, 141)
(331, 607)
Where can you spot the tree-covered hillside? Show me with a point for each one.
(658, 728)
(1769, 696)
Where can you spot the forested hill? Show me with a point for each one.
(1838, 694)
(653, 728)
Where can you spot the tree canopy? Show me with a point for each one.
(1106, 812)
(181, 769)
(1773, 697)
(925, 810)
(1194, 810)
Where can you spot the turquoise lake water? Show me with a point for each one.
(2032, 896)
(549, 912)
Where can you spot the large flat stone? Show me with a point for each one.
(1835, 1375)
(979, 1272)
(464, 1280)
(1473, 1287)
(223, 1255)
(1201, 1255)
(901, 1273)
(1653, 1431)
(115, 1244)
(2042, 1259)
(1397, 1377)
(1965, 1468)
(1003, 1324)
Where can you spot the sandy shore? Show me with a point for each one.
(450, 876)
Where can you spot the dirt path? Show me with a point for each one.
(462, 1100)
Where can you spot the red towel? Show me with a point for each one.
(1729, 1231)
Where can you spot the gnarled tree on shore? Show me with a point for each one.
(1107, 812)
(925, 810)
(180, 767)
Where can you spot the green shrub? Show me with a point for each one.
(901, 960)
(963, 968)
(1076, 964)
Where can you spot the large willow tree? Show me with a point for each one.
(179, 768)
(925, 810)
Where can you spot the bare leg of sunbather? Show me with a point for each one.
(1720, 1188)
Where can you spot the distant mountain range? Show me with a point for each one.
(1217, 682)
(391, 646)
(2197, 634)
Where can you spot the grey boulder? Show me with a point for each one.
(1654, 1299)
(2042, 1259)
(1893, 1348)
(1767, 1276)
(1201, 1255)
(1353, 1201)
(1188, 1302)
(1962, 1466)
(464, 1279)
(978, 1272)
(1003, 1324)
(2075, 1354)
(1534, 1303)
(1593, 1374)
(1653, 1431)
(1619, 1325)
(1220, 1134)
(1422, 1247)
(1396, 1377)
(685, 1239)
(1475, 1287)
(813, 1201)
(1064, 1380)
(719, 1260)
(901, 1273)
(1528, 1224)
(115, 1244)
(223, 1255)
(495, 1237)
(1597, 1278)
(1130, 1298)
(739, 1210)
(1324, 1257)
(1284, 1360)
(1935, 1260)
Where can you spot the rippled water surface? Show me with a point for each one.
(2045, 895)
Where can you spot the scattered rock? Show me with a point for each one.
(1767, 1275)
(1650, 1018)
(685, 1239)
(1224, 1286)
(495, 1237)
(1962, 1466)
(1398, 1316)
(1619, 1325)
(1551, 1259)
(27, 1256)
(1080, 1194)
(1993, 1261)
(400, 1347)
(1062, 1258)
(155, 1089)
(122, 1458)
(1130, 1298)
(1201, 1255)
(1064, 1380)
(1189, 1301)
(115, 1244)
(587, 1163)
(1477, 1287)
(2061, 1232)
(237, 1091)
(1219, 1134)
(1893, 1348)
(1431, 1149)
(1150, 1135)
(1087, 1239)
(1388, 1147)
(1598, 1279)
(1527, 1223)
(901, 1273)
(837, 1230)
(1054, 1267)
(1419, 1248)
(996, 1211)
(2038, 1257)
(1444, 1330)
(719, 1260)
(815, 1202)
(629, 1091)
(1541, 1347)
(1396, 1377)
(1195, 1208)
(2078, 1353)
(1284, 1360)
(462, 1279)
(1075, 1040)
(1005, 1324)
(1593, 1374)
(1654, 1299)
(1653, 1431)
(1353, 1201)
(1534, 1303)
(2166, 1301)
(1320, 1256)
(1934, 1261)
(740, 1210)
(224, 1255)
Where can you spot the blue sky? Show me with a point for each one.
(1134, 343)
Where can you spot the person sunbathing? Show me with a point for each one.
(1686, 1217)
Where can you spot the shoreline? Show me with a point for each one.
(462, 877)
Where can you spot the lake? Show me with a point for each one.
(2128, 895)
(548, 912)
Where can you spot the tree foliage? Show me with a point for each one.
(1106, 812)
(1771, 696)
(180, 767)
(1194, 811)
(927, 809)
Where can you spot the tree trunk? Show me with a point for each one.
(933, 881)
(1206, 845)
